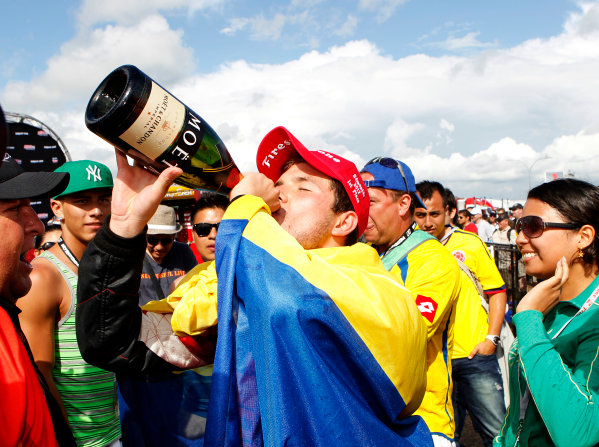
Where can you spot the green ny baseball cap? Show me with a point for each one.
(85, 175)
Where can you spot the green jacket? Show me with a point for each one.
(561, 374)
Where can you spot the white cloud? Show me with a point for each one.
(445, 130)
(584, 22)
(468, 41)
(73, 74)
(260, 27)
(130, 12)
(305, 3)
(475, 122)
(446, 125)
(348, 28)
(236, 24)
(295, 24)
(383, 8)
(397, 136)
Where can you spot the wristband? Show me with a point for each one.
(493, 339)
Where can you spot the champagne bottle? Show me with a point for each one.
(149, 124)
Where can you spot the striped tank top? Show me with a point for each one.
(88, 392)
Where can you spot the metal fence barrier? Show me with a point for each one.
(509, 262)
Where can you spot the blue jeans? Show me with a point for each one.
(478, 388)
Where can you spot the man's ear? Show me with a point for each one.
(403, 204)
(345, 223)
(451, 213)
(56, 206)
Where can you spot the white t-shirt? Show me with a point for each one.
(485, 230)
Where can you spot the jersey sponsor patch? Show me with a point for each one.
(460, 255)
(427, 307)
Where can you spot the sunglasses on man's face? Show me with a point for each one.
(47, 245)
(164, 241)
(534, 226)
(203, 229)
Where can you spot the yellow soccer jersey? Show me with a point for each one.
(472, 321)
(472, 251)
(433, 276)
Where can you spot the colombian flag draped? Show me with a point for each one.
(309, 351)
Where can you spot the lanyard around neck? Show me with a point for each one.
(447, 235)
(402, 239)
(69, 254)
(586, 306)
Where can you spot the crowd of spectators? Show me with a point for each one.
(316, 304)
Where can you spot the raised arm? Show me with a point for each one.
(109, 320)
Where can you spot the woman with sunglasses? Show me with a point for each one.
(554, 368)
(47, 240)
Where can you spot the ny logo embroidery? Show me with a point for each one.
(93, 172)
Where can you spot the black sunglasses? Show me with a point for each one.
(47, 245)
(164, 241)
(390, 163)
(203, 229)
(534, 226)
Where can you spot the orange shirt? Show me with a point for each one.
(24, 416)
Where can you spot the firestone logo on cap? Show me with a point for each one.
(273, 153)
(329, 156)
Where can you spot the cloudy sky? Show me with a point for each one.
(483, 96)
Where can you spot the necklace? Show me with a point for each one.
(69, 254)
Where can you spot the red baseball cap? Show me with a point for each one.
(279, 145)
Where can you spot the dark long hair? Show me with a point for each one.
(577, 202)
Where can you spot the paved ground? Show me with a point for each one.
(469, 437)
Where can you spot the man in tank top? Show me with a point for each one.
(86, 393)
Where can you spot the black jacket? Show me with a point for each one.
(108, 314)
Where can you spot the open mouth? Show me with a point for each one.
(23, 259)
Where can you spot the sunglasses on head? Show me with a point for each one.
(164, 241)
(534, 226)
(390, 163)
(203, 229)
(47, 245)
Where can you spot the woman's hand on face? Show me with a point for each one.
(545, 295)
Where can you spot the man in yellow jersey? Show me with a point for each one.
(477, 381)
(430, 272)
(317, 343)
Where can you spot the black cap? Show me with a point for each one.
(517, 206)
(17, 184)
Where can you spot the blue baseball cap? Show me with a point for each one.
(392, 174)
